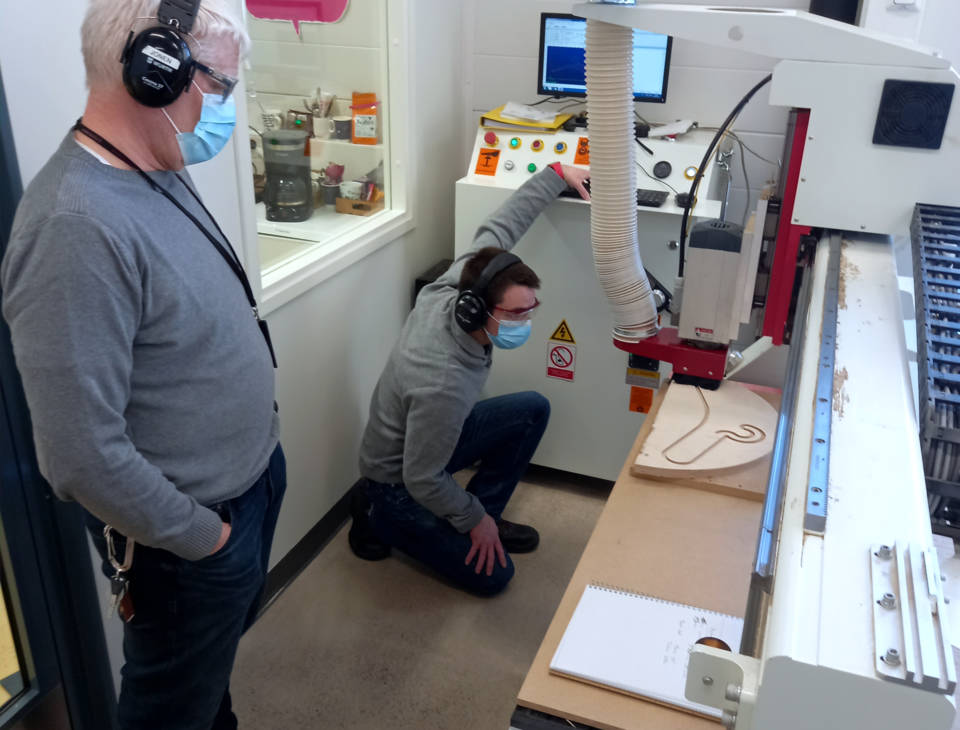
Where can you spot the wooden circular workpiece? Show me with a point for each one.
(699, 432)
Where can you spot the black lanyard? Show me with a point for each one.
(230, 256)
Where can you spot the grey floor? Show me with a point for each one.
(360, 645)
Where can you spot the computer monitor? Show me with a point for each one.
(563, 59)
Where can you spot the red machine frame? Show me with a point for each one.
(695, 361)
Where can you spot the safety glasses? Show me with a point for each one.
(515, 315)
(224, 84)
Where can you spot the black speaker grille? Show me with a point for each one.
(913, 114)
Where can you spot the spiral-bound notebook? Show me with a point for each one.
(639, 645)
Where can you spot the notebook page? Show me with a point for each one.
(638, 644)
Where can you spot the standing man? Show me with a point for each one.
(149, 377)
(426, 424)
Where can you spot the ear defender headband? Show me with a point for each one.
(471, 309)
(157, 63)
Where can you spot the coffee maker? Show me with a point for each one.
(289, 192)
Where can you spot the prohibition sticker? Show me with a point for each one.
(561, 361)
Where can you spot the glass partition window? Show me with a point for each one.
(11, 678)
(319, 117)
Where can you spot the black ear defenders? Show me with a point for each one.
(157, 63)
(471, 310)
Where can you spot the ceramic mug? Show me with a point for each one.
(321, 128)
(351, 189)
(329, 192)
(340, 127)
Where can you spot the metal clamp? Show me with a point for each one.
(911, 638)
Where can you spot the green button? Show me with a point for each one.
(531, 167)
(515, 142)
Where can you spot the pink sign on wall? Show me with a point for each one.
(297, 11)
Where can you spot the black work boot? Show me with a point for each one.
(361, 538)
(517, 538)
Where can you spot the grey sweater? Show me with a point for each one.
(149, 384)
(435, 374)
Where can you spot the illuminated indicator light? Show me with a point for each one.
(515, 142)
(531, 167)
(561, 147)
(537, 144)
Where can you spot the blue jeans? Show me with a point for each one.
(501, 433)
(179, 647)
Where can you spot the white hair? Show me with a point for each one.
(108, 24)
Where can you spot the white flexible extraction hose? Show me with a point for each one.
(613, 218)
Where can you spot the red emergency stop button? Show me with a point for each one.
(490, 138)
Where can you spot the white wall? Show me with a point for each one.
(501, 38)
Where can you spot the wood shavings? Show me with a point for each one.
(850, 270)
(840, 397)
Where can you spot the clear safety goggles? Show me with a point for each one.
(515, 316)
(222, 83)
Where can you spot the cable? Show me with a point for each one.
(550, 100)
(746, 182)
(706, 159)
(775, 163)
(659, 180)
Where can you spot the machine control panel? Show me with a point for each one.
(664, 167)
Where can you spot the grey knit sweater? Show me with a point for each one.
(149, 384)
(435, 374)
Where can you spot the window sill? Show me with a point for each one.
(287, 281)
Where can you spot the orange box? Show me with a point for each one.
(366, 119)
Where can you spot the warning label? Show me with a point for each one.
(641, 399)
(487, 162)
(561, 361)
(582, 156)
(563, 334)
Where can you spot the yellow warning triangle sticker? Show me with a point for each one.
(563, 333)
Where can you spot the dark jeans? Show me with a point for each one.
(180, 646)
(501, 433)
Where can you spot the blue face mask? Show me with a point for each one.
(213, 131)
(511, 335)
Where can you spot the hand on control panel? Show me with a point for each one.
(575, 177)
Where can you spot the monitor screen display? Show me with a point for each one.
(562, 59)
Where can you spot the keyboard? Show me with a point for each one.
(651, 198)
(571, 193)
